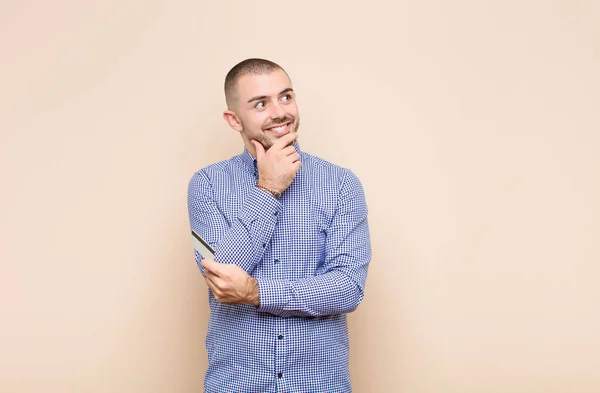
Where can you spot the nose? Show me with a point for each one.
(277, 111)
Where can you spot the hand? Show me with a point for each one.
(277, 167)
(230, 284)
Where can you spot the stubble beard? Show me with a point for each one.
(264, 140)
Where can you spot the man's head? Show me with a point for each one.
(261, 104)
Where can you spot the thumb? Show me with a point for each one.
(260, 150)
(210, 265)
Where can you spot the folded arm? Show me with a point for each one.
(340, 288)
(240, 241)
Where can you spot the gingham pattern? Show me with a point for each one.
(309, 251)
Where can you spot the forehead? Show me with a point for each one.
(252, 85)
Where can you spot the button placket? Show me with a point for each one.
(280, 348)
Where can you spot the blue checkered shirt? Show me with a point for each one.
(309, 252)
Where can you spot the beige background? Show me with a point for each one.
(473, 125)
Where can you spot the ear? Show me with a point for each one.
(231, 118)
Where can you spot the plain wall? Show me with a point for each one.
(474, 127)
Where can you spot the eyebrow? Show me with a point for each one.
(263, 97)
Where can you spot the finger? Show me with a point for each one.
(211, 266)
(220, 278)
(259, 148)
(212, 286)
(294, 157)
(285, 140)
(216, 280)
(210, 275)
(289, 150)
(297, 165)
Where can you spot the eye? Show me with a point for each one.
(260, 105)
(286, 97)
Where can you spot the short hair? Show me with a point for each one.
(253, 66)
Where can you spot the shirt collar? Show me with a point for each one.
(250, 162)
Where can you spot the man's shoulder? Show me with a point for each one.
(322, 165)
(335, 181)
(216, 168)
(219, 166)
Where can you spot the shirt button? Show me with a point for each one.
(280, 337)
(279, 375)
(264, 245)
(276, 213)
(276, 261)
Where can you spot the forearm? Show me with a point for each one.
(245, 241)
(241, 245)
(327, 294)
(339, 288)
(241, 240)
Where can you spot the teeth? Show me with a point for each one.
(279, 128)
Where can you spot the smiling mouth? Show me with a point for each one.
(278, 128)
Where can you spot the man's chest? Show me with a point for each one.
(298, 246)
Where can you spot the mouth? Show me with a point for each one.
(280, 129)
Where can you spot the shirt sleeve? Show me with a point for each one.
(340, 289)
(241, 241)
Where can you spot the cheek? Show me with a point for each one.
(293, 111)
(254, 123)
(261, 119)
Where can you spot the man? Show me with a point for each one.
(292, 248)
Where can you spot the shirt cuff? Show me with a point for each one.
(273, 295)
(260, 204)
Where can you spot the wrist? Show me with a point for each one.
(254, 295)
(272, 191)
